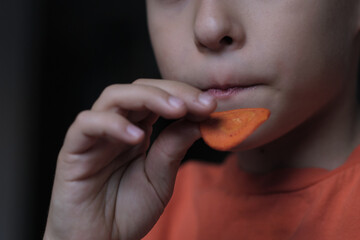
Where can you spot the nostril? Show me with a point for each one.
(226, 40)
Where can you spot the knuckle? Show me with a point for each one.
(109, 90)
(109, 96)
(150, 89)
(140, 81)
(82, 117)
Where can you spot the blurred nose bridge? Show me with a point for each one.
(213, 27)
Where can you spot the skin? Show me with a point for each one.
(301, 56)
(106, 187)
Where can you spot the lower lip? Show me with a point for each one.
(228, 92)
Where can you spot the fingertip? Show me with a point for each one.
(178, 107)
(134, 133)
(176, 102)
(206, 99)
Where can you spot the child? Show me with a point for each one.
(296, 177)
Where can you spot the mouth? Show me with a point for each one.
(226, 92)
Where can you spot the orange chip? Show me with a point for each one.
(225, 130)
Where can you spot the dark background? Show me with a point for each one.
(55, 59)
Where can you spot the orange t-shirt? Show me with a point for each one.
(223, 202)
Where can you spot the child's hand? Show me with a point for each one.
(106, 186)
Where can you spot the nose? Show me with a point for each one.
(214, 28)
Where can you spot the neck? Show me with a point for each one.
(324, 141)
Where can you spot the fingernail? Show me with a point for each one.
(134, 131)
(175, 102)
(205, 99)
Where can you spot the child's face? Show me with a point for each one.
(291, 56)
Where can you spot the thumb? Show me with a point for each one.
(166, 153)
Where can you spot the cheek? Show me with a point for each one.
(171, 57)
(172, 41)
(311, 63)
(312, 72)
(305, 83)
(312, 75)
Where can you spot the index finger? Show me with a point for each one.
(198, 103)
(130, 97)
